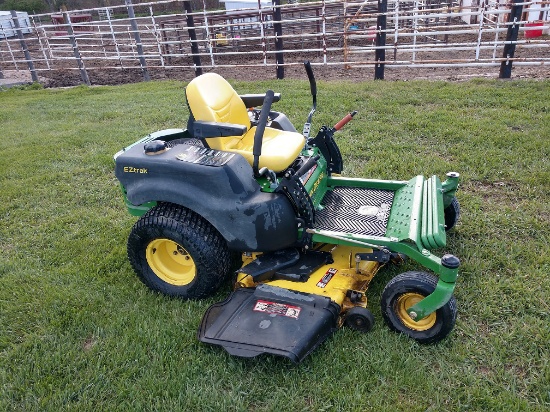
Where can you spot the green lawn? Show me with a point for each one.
(78, 331)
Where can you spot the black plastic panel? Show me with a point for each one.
(270, 320)
(227, 195)
(264, 266)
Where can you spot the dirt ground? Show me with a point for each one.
(69, 78)
(60, 69)
(14, 77)
(66, 73)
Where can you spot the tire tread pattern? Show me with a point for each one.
(424, 284)
(204, 243)
(452, 214)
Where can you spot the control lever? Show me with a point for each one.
(260, 128)
(306, 166)
(345, 120)
(313, 88)
(269, 174)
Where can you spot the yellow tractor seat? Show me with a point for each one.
(212, 99)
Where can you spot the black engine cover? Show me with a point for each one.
(219, 186)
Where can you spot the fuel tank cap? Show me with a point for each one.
(155, 147)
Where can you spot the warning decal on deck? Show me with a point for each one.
(277, 309)
(326, 277)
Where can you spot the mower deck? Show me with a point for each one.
(288, 317)
(332, 280)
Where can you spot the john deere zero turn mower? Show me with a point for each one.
(240, 184)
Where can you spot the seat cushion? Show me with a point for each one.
(279, 148)
(211, 98)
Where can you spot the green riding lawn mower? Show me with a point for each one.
(240, 193)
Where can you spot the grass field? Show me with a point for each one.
(78, 331)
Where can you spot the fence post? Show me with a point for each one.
(193, 38)
(447, 20)
(28, 58)
(380, 53)
(278, 27)
(76, 52)
(137, 38)
(511, 38)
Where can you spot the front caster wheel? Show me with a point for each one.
(404, 291)
(452, 214)
(178, 253)
(359, 319)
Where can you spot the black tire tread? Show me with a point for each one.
(423, 283)
(365, 313)
(205, 244)
(452, 214)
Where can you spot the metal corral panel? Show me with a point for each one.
(7, 28)
(245, 4)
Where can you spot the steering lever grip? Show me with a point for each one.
(345, 120)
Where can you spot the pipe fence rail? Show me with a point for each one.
(382, 34)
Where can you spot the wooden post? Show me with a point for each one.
(380, 53)
(137, 38)
(192, 37)
(278, 27)
(76, 52)
(511, 38)
(23, 44)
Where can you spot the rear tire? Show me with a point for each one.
(176, 252)
(404, 291)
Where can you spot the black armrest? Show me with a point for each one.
(203, 130)
(253, 100)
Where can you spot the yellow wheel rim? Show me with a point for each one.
(170, 262)
(404, 302)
